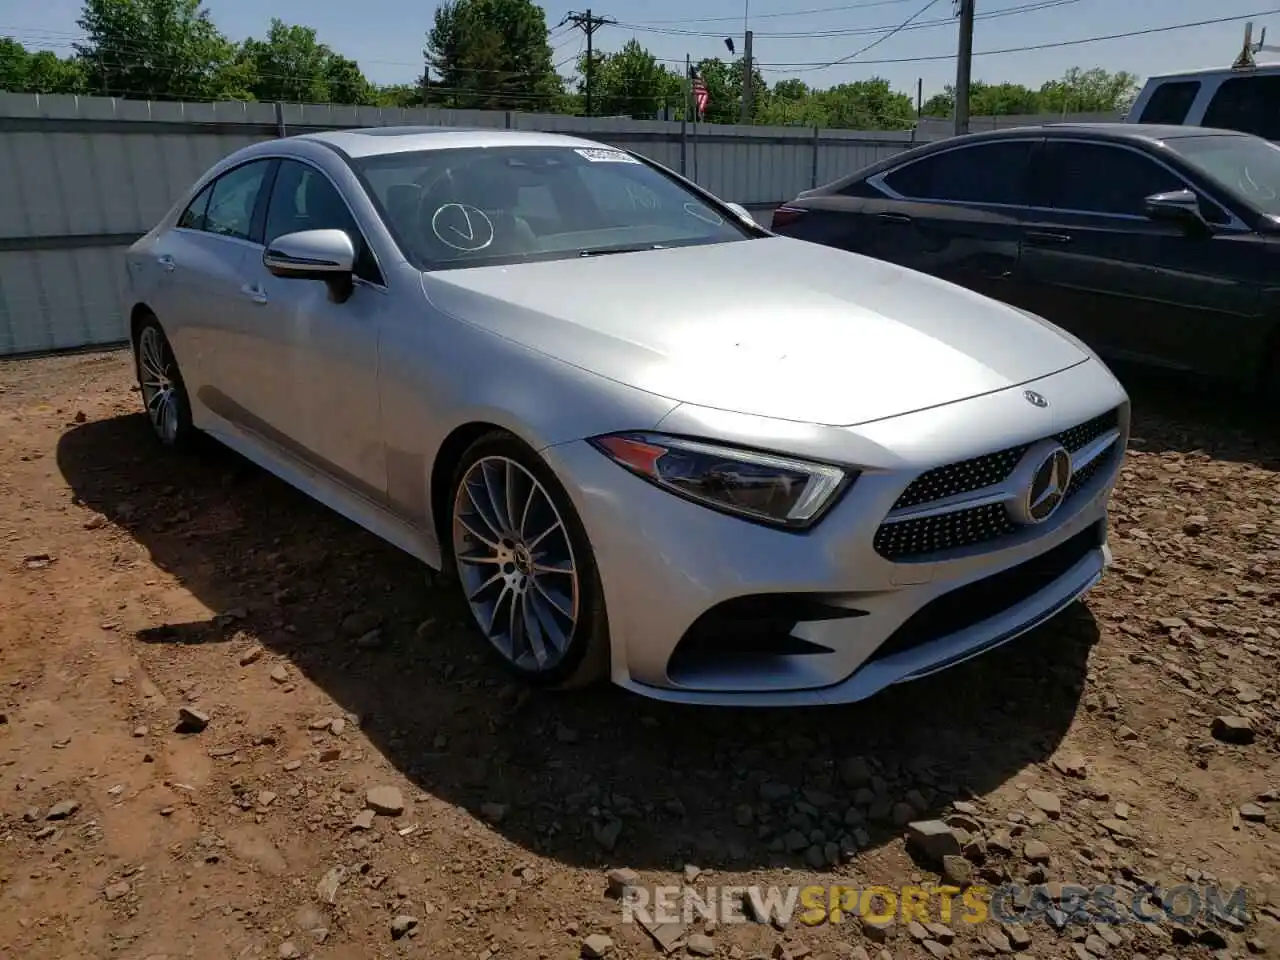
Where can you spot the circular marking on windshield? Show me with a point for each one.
(706, 215)
(462, 227)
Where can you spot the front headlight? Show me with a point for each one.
(766, 487)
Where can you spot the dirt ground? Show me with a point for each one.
(368, 785)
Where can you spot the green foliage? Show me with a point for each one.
(42, 72)
(491, 55)
(629, 83)
(1078, 91)
(291, 65)
(157, 49)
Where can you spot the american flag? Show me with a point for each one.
(700, 96)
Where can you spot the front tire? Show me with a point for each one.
(164, 395)
(526, 567)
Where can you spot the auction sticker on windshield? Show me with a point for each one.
(605, 156)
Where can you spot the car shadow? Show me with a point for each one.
(601, 778)
(1175, 413)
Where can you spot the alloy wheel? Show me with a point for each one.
(516, 563)
(157, 381)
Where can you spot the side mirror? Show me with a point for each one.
(327, 255)
(1178, 206)
(742, 212)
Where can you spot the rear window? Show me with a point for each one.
(1170, 102)
(1249, 104)
(992, 172)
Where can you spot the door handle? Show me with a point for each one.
(254, 292)
(1044, 237)
(894, 218)
(166, 262)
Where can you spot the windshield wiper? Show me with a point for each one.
(608, 250)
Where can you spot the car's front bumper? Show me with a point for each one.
(668, 566)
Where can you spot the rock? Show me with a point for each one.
(700, 945)
(62, 810)
(327, 888)
(1036, 851)
(1253, 812)
(359, 623)
(855, 772)
(1070, 765)
(606, 834)
(744, 815)
(1096, 945)
(1234, 730)
(386, 801)
(252, 655)
(191, 720)
(933, 839)
(115, 891)
(936, 949)
(279, 673)
(1018, 936)
(1046, 802)
(1195, 525)
(289, 951)
(370, 640)
(493, 812)
(957, 871)
(621, 879)
(401, 925)
(596, 945)
(363, 820)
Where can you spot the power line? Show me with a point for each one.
(881, 39)
(1032, 7)
(780, 13)
(1052, 45)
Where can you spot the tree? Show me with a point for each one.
(22, 71)
(1089, 91)
(492, 55)
(156, 49)
(629, 83)
(291, 65)
(1079, 91)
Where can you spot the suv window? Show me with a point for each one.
(982, 173)
(235, 194)
(1170, 102)
(303, 198)
(1099, 178)
(193, 217)
(1247, 104)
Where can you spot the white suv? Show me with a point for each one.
(1244, 99)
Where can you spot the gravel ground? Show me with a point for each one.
(233, 725)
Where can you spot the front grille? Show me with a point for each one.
(908, 539)
(990, 596)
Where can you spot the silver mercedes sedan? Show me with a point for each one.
(653, 442)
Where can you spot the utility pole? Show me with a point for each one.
(964, 65)
(588, 25)
(746, 78)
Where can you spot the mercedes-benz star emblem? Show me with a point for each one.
(1042, 478)
(1035, 399)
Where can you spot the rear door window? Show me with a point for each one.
(234, 199)
(1248, 104)
(1170, 102)
(994, 172)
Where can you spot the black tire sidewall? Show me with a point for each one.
(587, 658)
(186, 429)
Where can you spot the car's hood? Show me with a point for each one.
(771, 327)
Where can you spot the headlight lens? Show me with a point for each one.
(759, 486)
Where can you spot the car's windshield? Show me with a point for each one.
(1247, 166)
(474, 206)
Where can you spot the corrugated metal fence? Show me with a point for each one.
(82, 177)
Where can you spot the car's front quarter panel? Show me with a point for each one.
(439, 374)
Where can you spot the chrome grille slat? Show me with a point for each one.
(903, 538)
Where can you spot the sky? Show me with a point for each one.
(791, 37)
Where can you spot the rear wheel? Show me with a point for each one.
(164, 396)
(526, 566)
